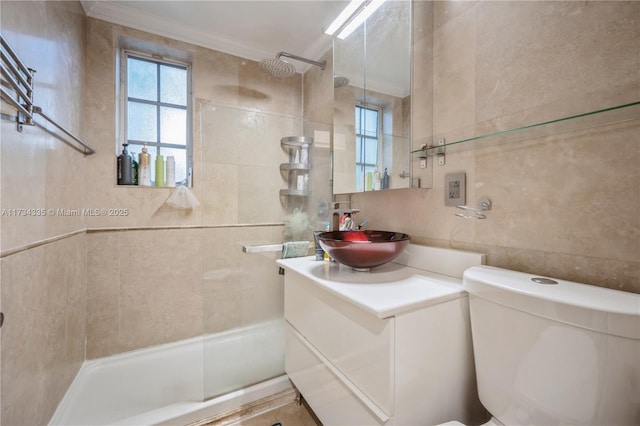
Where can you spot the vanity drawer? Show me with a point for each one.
(332, 397)
(357, 343)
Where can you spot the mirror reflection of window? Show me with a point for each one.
(367, 130)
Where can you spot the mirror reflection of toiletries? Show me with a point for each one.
(372, 103)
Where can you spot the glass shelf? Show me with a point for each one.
(287, 167)
(295, 169)
(294, 192)
(296, 141)
(616, 114)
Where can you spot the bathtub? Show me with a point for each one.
(165, 384)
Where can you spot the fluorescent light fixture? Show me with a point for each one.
(356, 12)
(357, 20)
(344, 17)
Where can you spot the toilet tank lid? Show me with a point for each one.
(596, 308)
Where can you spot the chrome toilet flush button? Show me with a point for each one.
(544, 280)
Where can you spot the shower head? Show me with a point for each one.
(340, 81)
(283, 69)
(277, 67)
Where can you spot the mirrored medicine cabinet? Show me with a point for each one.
(372, 103)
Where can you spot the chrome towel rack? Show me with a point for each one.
(17, 76)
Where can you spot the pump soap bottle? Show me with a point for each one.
(125, 167)
(144, 167)
(385, 179)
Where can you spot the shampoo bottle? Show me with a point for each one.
(304, 154)
(385, 179)
(171, 171)
(144, 168)
(125, 167)
(159, 170)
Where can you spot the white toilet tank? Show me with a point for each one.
(554, 354)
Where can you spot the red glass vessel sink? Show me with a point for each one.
(363, 250)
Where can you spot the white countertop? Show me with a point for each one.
(384, 291)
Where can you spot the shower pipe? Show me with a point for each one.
(20, 78)
(283, 69)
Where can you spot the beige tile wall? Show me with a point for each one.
(148, 287)
(240, 289)
(43, 337)
(43, 289)
(38, 170)
(564, 205)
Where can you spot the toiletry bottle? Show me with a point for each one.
(327, 226)
(385, 179)
(171, 171)
(159, 170)
(304, 154)
(376, 182)
(134, 167)
(318, 249)
(144, 167)
(125, 168)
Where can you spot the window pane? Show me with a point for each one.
(372, 170)
(141, 122)
(173, 85)
(370, 151)
(142, 80)
(173, 125)
(180, 157)
(359, 179)
(359, 157)
(371, 122)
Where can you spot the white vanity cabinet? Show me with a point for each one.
(386, 347)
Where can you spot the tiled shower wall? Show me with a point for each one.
(564, 205)
(43, 272)
(160, 274)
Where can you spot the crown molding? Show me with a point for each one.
(121, 14)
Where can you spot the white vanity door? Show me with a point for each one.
(333, 398)
(357, 343)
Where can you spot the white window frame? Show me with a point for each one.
(154, 146)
